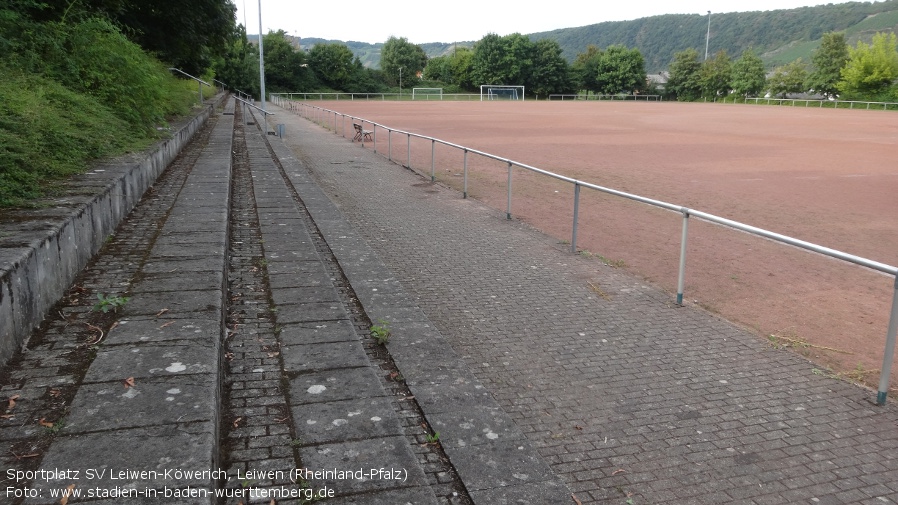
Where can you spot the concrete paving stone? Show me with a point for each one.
(310, 312)
(152, 449)
(398, 315)
(454, 395)
(552, 492)
(295, 267)
(427, 369)
(289, 252)
(297, 280)
(158, 282)
(367, 285)
(175, 304)
(186, 225)
(324, 356)
(183, 357)
(335, 385)
(498, 464)
(170, 400)
(287, 210)
(287, 231)
(407, 496)
(206, 215)
(184, 267)
(190, 239)
(320, 332)
(391, 454)
(474, 426)
(162, 252)
(284, 296)
(386, 298)
(345, 420)
(152, 329)
(201, 218)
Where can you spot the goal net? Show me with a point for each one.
(497, 92)
(427, 93)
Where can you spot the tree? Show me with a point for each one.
(186, 35)
(399, 53)
(501, 60)
(871, 69)
(684, 81)
(620, 70)
(364, 80)
(828, 60)
(748, 75)
(550, 72)
(716, 75)
(789, 78)
(461, 66)
(332, 63)
(584, 70)
(284, 65)
(239, 66)
(439, 68)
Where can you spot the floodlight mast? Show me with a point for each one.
(708, 37)
(261, 61)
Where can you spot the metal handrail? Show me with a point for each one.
(197, 79)
(255, 107)
(685, 211)
(264, 112)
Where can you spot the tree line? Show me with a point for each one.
(863, 72)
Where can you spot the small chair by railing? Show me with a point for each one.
(361, 134)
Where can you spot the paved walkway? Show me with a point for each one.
(629, 398)
(240, 370)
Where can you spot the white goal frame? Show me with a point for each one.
(416, 92)
(509, 92)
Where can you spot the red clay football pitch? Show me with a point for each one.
(821, 175)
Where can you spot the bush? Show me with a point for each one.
(71, 94)
(48, 132)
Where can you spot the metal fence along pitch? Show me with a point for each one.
(317, 114)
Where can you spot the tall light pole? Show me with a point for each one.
(400, 82)
(261, 59)
(708, 37)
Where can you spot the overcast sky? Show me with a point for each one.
(424, 21)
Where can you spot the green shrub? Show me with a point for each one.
(48, 132)
(74, 93)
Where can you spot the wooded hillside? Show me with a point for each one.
(777, 36)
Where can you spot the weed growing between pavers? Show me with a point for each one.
(381, 332)
(105, 303)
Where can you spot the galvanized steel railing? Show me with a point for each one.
(322, 115)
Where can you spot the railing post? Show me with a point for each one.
(374, 137)
(433, 144)
(465, 192)
(576, 217)
(389, 144)
(408, 149)
(682, 274)
(508, 207)
(889, 352)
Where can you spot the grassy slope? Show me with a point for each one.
(93, 95)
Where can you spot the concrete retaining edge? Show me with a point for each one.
(36, 274)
